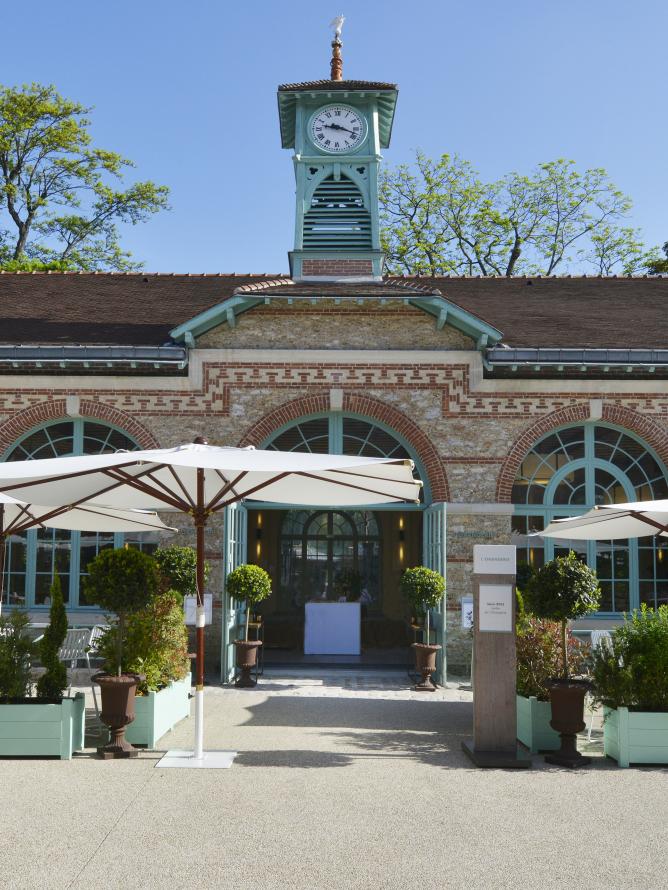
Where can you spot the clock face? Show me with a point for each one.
(337, 128)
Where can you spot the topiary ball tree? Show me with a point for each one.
(423, 588)
(122, 581)
(53, 682)
(178, 567)
(250, 583)
(563, 589)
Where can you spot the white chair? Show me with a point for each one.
(597, 639)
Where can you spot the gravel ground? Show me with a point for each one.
(341, 781)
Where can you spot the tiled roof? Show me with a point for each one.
(332, 85)
(140, 309)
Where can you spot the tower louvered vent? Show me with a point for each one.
(337, 217)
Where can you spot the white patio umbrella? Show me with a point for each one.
(613, 521)
(200, 480)
(17, 516)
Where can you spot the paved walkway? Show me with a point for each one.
(343, 780)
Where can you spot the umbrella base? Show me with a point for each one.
(177, 759)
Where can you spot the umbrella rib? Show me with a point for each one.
(642, 518)
(164, 487)
(61, 478)
(229, 486)
(348, 485)
(178, 481)
(377, 478)
(135, 482)
(240, 497)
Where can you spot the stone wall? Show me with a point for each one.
(282, 362)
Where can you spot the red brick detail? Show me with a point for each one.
(108, 414)
(337, 267)
(47, 411)
(642, 426)
(374, 409)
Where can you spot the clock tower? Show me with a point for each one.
(337, 129)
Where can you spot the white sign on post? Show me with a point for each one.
(190, 609)
(496, 608)
(494, 559)
(467, 612)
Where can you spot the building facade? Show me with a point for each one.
(519, 399)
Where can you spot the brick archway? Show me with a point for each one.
(367, 407)
(644, 427)
(45, 412)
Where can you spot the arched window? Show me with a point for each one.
(570, 471)
(33, 557)
(327, 554)
(339, 433)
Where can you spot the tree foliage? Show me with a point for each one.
(658, 265)
(439, 217)
(123, 581)
(53, 682)
(155, 644)
(16, 653)
(178, 567)
(539, 654)
(250, 583)
(59, 194)
(563, 589)
(632, 670)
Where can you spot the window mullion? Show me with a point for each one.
(75, 563)
(31, 564)
(336, 433)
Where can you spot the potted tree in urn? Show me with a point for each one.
(562, 590)
(252, 584)
(122, 581)
(424, 589)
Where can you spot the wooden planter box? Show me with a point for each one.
(533, 725)
(158, 712)
(635, 736)
(36, 729)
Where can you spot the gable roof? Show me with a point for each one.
(141, 309)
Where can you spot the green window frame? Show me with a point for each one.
(32, 558)
(347, 433)
(571, 470)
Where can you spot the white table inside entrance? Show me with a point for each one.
(332, 629)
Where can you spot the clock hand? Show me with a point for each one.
(339, 127)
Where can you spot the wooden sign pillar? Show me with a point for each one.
(494, 741)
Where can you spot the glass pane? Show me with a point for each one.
(621, 596)
(312, 435)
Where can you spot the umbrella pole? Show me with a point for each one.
(200, 523)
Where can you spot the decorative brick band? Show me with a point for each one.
(641, 425)
(45, 412)
(337, 267)
(374, 409)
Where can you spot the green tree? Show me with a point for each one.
(440, 217)
(53, 683)
(250, 583)
(178, 567)
(658, 265)
(59, 194)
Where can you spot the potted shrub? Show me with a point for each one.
(49, 724)
(155, 647)
(424, 589)
(630, 676)
(562, 590)
(122, 581)
(538, 654)
(252, 584)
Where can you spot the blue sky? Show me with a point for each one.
(187, 90)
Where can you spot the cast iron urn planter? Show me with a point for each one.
(246, 661)
(425, 662)
(567, 701)
(118, 709)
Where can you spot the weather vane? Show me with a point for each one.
(337, 61)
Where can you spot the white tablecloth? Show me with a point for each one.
(332, 629)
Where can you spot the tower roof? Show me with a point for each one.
(290, 93)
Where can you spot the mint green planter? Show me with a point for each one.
(635, 736)
(533, 725)
(158, 712)
(43, 730)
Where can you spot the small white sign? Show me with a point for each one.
(467, 612)
(190, 609)
(496, 608)
(494, 559)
